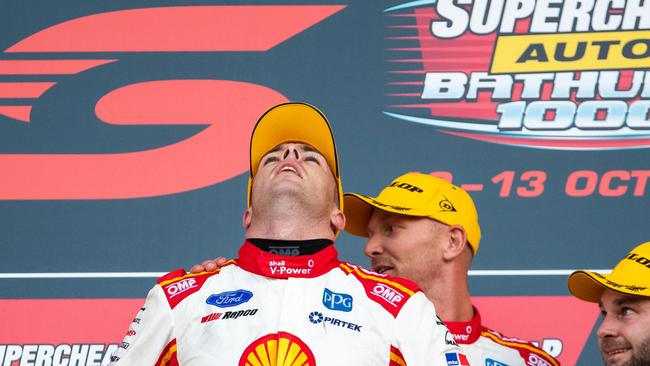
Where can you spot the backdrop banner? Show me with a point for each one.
(124, 132)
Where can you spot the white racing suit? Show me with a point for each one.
(265, 309)
(484, 346)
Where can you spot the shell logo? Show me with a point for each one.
(277, 349)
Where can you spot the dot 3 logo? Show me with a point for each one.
(278, 349)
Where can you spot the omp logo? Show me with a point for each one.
(139, 39)
(567, 75)
(388, 294)
(62, 354)
(535, 360)
(277, 349)
(288, 251)
(180, 287)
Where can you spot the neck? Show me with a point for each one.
(451, 295)
(288, 224)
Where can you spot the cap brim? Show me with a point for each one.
(587, 286)
(293, 122)
(358, 209)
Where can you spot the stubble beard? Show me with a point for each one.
(640, 357)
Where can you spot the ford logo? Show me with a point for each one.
(229, 298)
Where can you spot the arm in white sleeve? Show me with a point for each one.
(423, 339)
(150, 339)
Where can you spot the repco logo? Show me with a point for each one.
(180, 287)
(388, 294)
(408, 187)
(641, 260)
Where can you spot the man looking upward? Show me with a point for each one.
(426, 229)
(305, 309)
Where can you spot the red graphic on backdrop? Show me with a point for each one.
(559, 324)
(228, 108)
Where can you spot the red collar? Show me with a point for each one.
(253, 259)
(466, 332)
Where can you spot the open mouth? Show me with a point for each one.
(616, 351)
(290, 169)
(382, 269)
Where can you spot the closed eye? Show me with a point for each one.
(270, 159)
(312, 159)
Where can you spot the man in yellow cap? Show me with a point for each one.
(426, 229)
(624, 300)
(287, 299)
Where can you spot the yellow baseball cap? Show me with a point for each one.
(631, 276)
(293, 122)
(416, 194)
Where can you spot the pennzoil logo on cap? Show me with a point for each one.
(278, 349)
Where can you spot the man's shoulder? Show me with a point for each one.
(389, 292)
(177, 285)
(530, 353)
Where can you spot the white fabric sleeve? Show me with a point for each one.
(422, 338)
(150, 334)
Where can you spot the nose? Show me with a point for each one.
(608, 327)
(291, 151)
(373, 247)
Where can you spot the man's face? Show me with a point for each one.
(405, 246)
(295, 171)
(624, 335)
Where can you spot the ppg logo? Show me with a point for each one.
(491, 362)
(336, 301)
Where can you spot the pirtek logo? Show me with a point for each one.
(641, 260)
(406, 186)
(180, 287)
(388, 294)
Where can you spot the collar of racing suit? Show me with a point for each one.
(466, 332)
(255, 260)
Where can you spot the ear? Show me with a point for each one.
(456, 244)
(247, 218)
(337, 220)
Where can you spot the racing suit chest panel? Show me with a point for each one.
(328, 317)
(486, 352)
